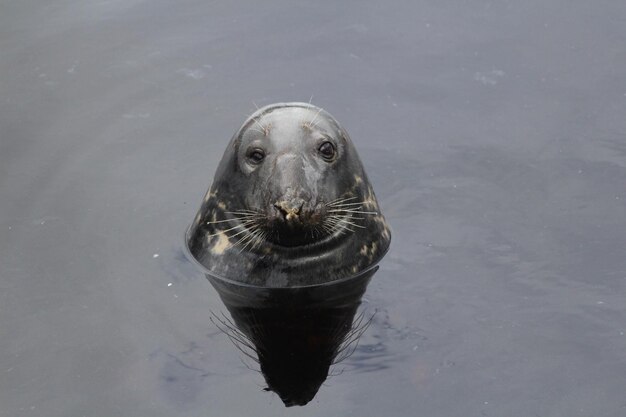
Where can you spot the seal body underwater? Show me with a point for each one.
(290, 204)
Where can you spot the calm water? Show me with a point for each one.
(494, 134)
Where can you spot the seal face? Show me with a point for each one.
(290, 204)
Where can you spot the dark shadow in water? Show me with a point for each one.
(295, 334)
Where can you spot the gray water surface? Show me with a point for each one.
(494, 134)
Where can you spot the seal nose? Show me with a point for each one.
(290, 209)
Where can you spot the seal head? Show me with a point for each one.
(290, 204)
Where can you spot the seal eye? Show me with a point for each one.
(327, 150)
(256, 155)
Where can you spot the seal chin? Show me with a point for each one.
(293, 245)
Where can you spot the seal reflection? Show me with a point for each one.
(295, 334)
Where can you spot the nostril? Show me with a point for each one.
(289, 210)
(280, 209)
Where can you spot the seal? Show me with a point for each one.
(290, 204)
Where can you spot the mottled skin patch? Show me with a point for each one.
(288, 133)
(209, 195)
(369, 251)
(386, 234)
(222, 243)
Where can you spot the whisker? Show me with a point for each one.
(339, 200)
(263, 128)
(253, 236)
(232, 333)
(347, 218)
(244, 246)
(347, 204)
(256, 239)
(335, 223)
(327, 228)
(344, 201)
(243, 211)
(220, 221)
(239, 232)
(247, 235)
(243, 239)
(315, 117)
(352, 211)
(244, 224)
(356, 218)
(343, 229)
(352, 224)
(246, 218)
(262, 238)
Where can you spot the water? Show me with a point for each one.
(493, 133)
